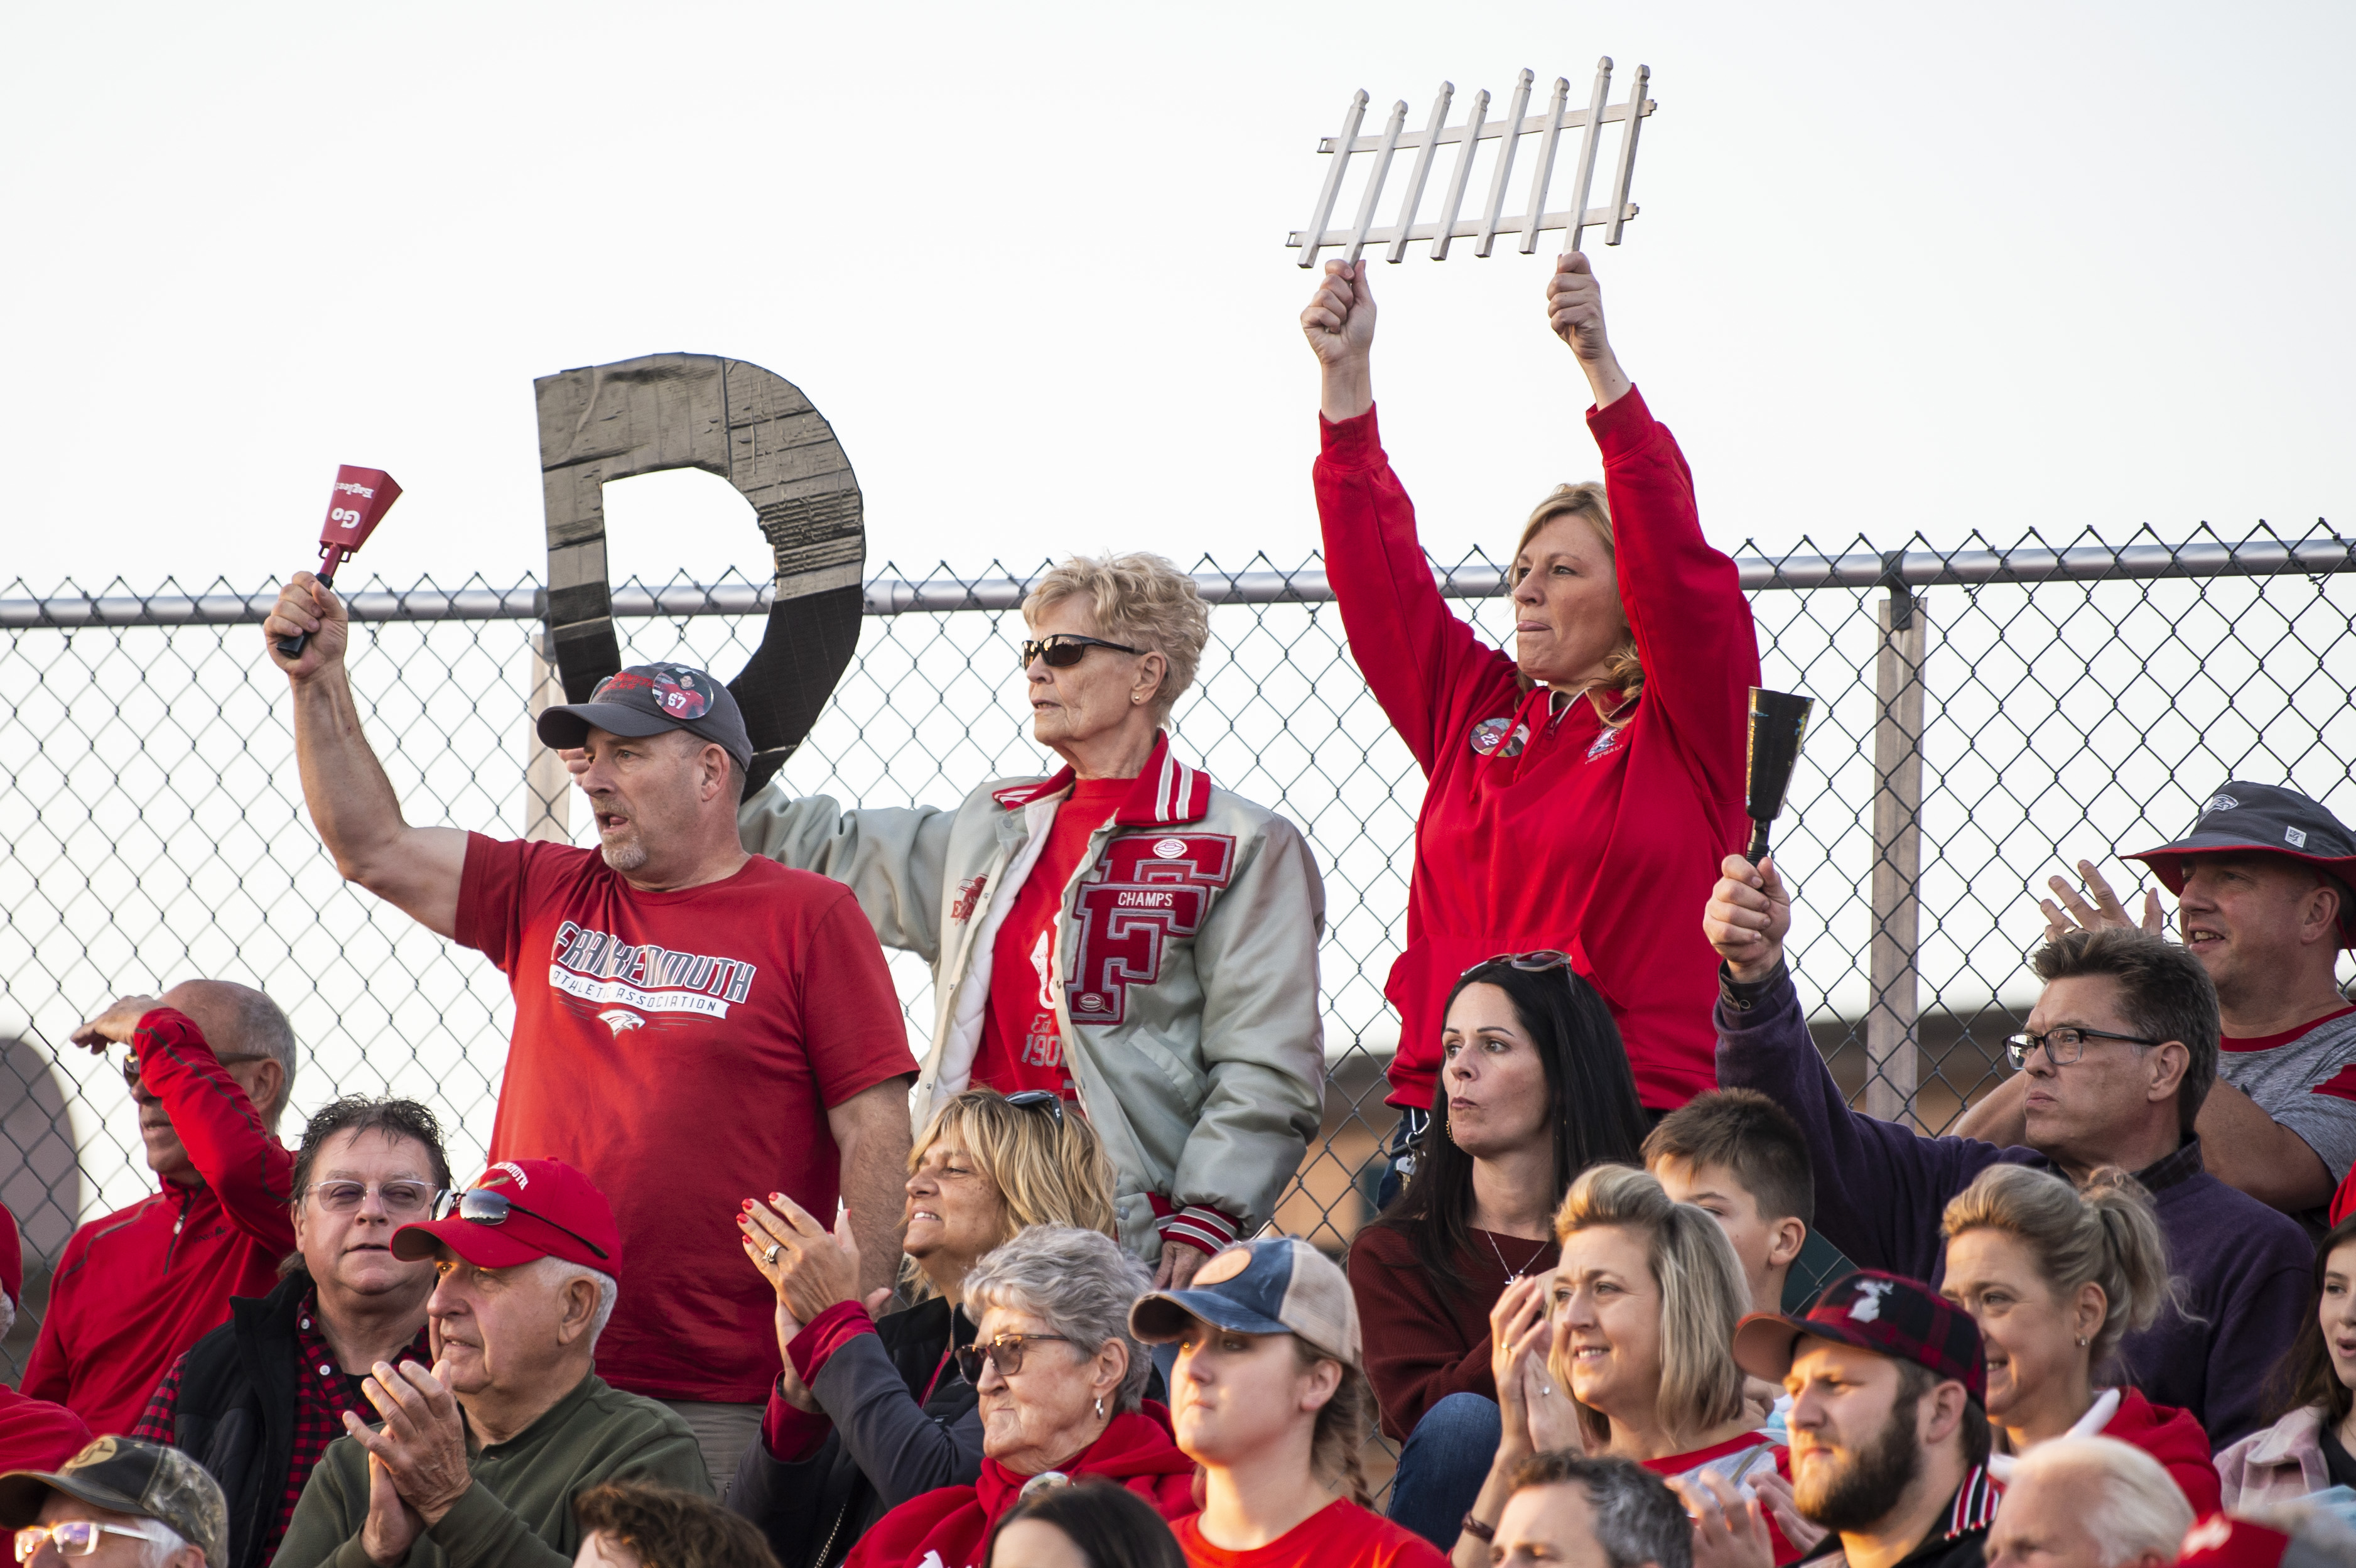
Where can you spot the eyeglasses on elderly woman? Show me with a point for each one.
(1006, 1349)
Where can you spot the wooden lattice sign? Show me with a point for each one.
(1490, 220)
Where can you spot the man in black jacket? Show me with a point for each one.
(258, 1399)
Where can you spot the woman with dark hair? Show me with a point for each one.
(2313, 1446)
(1092, 1525)
(1535, 1088)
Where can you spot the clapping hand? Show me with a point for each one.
(1518, 1333)
(2073, 913)
(1729, 1531)
(809, 1269)
(421, 1447)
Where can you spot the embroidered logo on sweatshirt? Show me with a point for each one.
(968, 895)
(1605, 744)
(1140, 898)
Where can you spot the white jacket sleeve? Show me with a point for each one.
(1263, 1037)
(893, 859)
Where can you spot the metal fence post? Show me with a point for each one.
(1890, 1025)
(547, 786)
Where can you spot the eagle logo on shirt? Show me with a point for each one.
(620, 1019)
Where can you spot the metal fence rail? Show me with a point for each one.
(1986, 715)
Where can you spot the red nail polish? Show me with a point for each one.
(748, 1206)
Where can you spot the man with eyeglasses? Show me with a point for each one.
(2120, 1051)
(210, 1070)
(258, 1399)
(2263, 899)
(478, 1459)
(119, 1503)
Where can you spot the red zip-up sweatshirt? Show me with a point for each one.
(134, 1290)
(1602, 842)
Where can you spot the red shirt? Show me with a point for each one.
(1022, 1044)
(1604, 843)
(35, 1435)
(682, 1048)
(1339, 1535)
(136, 1289)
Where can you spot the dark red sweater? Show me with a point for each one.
(1423, 1344)
(134, 1290)
(1603, 843)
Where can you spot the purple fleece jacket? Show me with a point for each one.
(1880, 1190)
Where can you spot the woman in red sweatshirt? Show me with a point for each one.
(2056, 1276)
(1582, 789)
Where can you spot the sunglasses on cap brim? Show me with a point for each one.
(488, 1206)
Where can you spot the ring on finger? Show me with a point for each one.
(770, 1257)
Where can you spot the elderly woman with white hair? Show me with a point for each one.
(1121, 934)
(1061, 1379)
(2088, 1502)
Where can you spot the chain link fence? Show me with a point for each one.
(1986, 717)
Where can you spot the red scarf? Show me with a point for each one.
(946, 1527)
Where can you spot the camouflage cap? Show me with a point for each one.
(147, 1480)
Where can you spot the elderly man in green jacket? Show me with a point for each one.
(477, 1461)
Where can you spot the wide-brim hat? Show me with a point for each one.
(2262, 819)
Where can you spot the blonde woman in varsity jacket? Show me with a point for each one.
(1123, 935)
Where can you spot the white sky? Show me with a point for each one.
(1997, 266)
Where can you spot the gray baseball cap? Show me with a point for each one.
(1279, 1284)
(648, 699)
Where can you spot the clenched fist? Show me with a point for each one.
(306, 606)
(1340, 326)
(1575, 311)
(1748, 916)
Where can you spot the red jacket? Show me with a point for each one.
(1135, 1449)
(1604, 844)
(2174, 1438)
(35, 1435)
(136, 1289)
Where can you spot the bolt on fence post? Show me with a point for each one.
(1889, 1021)
(547, 786)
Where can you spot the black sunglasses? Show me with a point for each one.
(1537, 963)
(1038, 1099)
(1066, 648)
(487, 1205)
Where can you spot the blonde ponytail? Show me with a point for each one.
(2105, 1233)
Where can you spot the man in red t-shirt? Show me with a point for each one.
(694, 1025)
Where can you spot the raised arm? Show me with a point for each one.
(417, 870)
(1426, 666)
(1681, 596)
(1880, 1188)
(894, 858)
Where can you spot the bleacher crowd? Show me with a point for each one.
(743, 1283)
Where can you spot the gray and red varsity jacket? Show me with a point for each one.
(1186, 962)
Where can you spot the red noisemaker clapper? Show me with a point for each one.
(1778, 721)
(360, 499)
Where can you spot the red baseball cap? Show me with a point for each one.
(1887, 1314)
(2222, 1540)
(527, 1210)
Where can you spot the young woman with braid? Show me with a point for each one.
(1268, 1398)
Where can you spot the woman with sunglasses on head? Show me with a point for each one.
(1582, 787)
(2056, 1275)
(1060, 1381)
(1534, 1088)
(871, 1410)
(1268, 1398)
(1124, 933)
